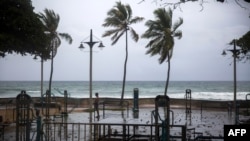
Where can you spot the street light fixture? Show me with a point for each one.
(235, 53)
(91, 44)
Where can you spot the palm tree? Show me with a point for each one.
(244, 43)
(51, 21)
(120, 18)
(161, 33)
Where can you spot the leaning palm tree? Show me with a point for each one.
(161, 33)
(120, 18)
(51, 21)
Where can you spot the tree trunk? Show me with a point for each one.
(168, 75)
(166, 87)
(48, 95)
(125, 69)
(51, 73)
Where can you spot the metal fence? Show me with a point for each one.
(105, 132)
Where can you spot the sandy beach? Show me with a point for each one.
(206, 117)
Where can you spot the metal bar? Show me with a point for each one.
(99, 127)
(104, 130)
(183, 131)
(172, 116)
(79, 129)
(54, 131)
(109, 131)
(103, 110)
(85, 132)
(124, 132)
(73, 132)
(127, 109)
(128, 130)
(60, 129)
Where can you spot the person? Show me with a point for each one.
(96, 105)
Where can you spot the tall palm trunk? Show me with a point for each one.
(125, 69)
(166, 87)
(168, 75)
(51, 72)
(48, 95)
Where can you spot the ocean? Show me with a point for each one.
(207, 90)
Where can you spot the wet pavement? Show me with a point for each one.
(206, 122)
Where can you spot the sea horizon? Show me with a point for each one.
(208, 90)
(130, 80)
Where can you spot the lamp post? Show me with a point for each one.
(235, 53)
(41, 74)
(91, 44)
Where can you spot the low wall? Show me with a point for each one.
(84, 102)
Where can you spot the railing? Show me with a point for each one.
(104, 132)
(192, 135)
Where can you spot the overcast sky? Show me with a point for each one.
(197, 55)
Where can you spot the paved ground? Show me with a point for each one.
(210, 123)
(207, 122)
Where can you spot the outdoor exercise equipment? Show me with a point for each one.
(162, 101)
(23, 116)
(242, 107)
(136, 103)
(48, 100)
(188, 100)
(248, 103)
(65, 100)
(38, 125)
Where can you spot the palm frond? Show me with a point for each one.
(111, 22)
(120, 17)
(110, 32)
(177, 24)
(67, 37)
(122, 11)
(50, 19)
(117, 37)
(136, 20)
(129, 12)
(161, 34)
(114, 36)
(163, 17)
(134, 35)
(178, 34)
